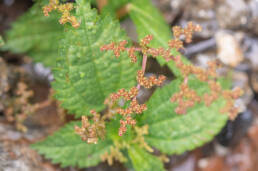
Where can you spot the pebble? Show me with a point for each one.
(228, 48)
(212, 164)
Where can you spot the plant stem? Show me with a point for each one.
(144, 62)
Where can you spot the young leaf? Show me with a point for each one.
(174, 134)
(35, 35)
(85, 75)
(148, 20)
(67, 148)
(143, 161)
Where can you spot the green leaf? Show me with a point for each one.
(174, 134)
(35, 35)
(84, 75)
(148, 20)
(144, 161)
(67, 148)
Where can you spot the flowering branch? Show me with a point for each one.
(185, 98)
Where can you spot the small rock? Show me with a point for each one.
(221, 150)
(228, 48)
(232, 13)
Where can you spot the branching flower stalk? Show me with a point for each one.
(185, 98)
(131, 95)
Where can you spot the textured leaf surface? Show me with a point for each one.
(144, 161)
(84, 75)
(174, 134)
(35, 35)
(148, 20)
(67, 148)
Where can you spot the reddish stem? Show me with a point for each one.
(186, 80)
(144, 62)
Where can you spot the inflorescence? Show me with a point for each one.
(91, 132)
(65, 9)
(185, 98)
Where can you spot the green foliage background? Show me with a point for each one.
(35, 35)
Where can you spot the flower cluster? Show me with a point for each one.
(186, 98)
(215, 88)
(119, 47)
(187, 32)
(151, 81)
(91, 132)
(134, 107)
(230, 96)
(201, 74)
(64, 9)
(23, 108)
(130, 95)
(116, 48)
(127, 95)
